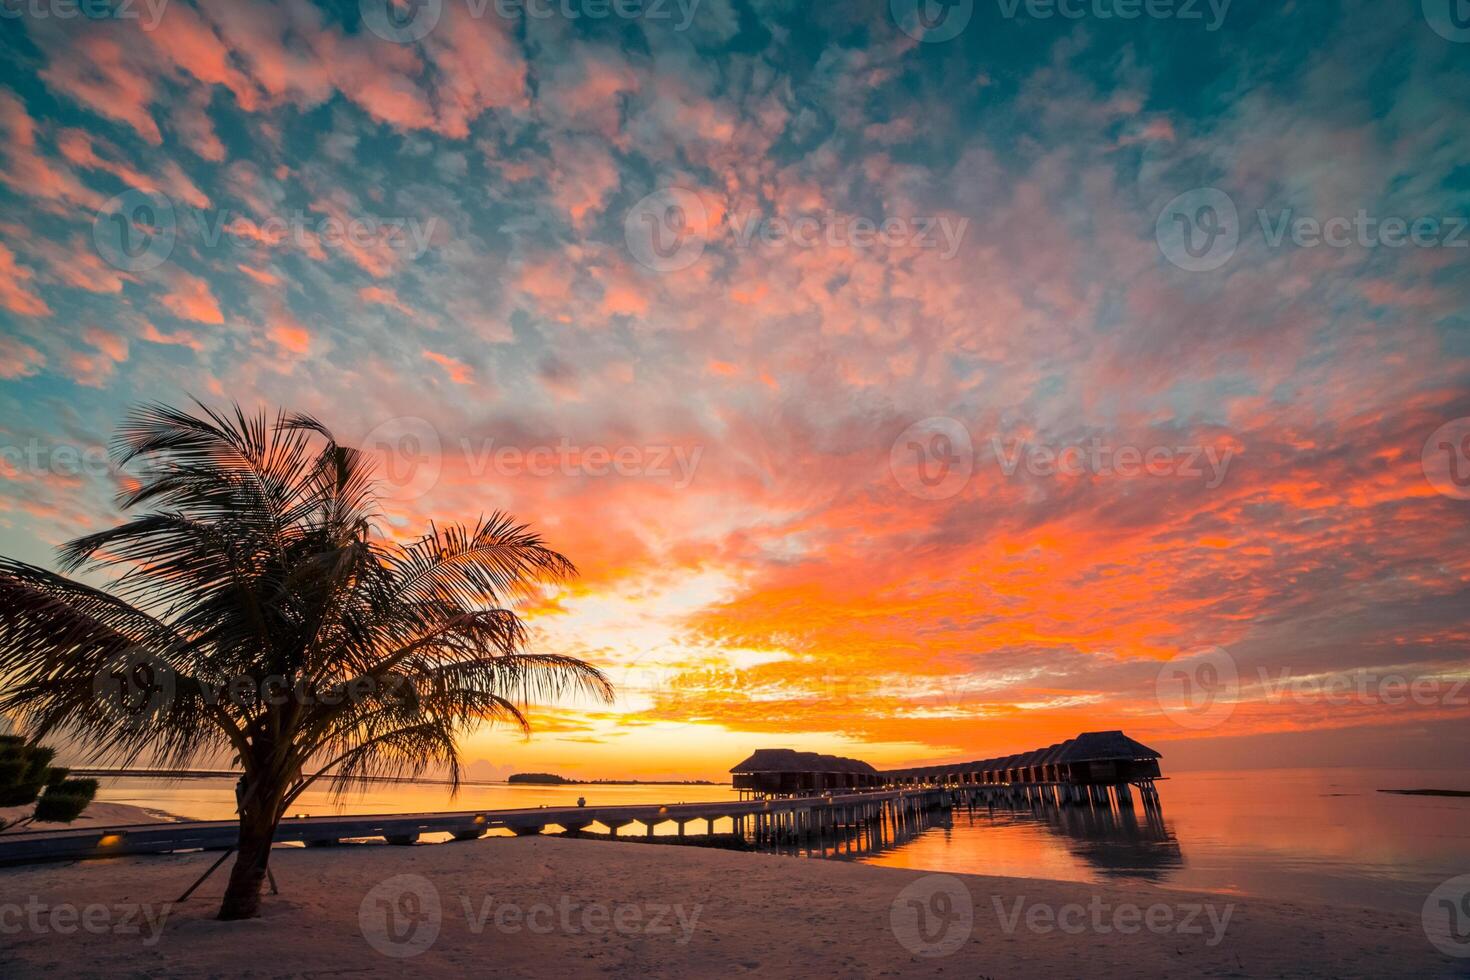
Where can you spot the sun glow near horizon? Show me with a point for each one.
(865, 376)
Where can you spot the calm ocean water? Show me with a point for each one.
(1324, 836)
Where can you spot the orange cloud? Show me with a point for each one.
(190, 298)
(180, 338)
(115, 346)
(722, 369)
(290, 336)
(263, 276)
(459, 372)
(19, 360)
(27, 171)
(15, 294)
(95, 70)
(78, 149)
(384, 297)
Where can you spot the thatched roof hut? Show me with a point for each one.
(790, 760)
(1092, 757)
(1106, 746)
(787, 772)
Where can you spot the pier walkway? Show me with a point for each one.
(762, 821)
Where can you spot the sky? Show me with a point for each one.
(907, 382)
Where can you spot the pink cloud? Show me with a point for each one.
(622, 293)
(190, 298)
(191, 121)
(185, 39)
(591, 99)
(266, 54)
(459, 372)
(1382, 292)
(19, 360)
(15, 294)
(179, 338)
(383, 296)
(373, 252)
(722, 369)
(89, 369)
(29, 172)
(1155, 130)
(114, 346)
(583, 179)
(79, 150)
(95, 70)
(263, 276)
(75, 263)
(897, 130)
(478, 68)
(290, 336)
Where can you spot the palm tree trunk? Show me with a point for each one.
(258, 821)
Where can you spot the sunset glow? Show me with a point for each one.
(865, 388)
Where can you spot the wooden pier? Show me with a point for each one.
(764, 822)
(787, 799)
(1095, 769)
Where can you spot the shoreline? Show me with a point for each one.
(97, 814)
(583, 908)
(719, 842)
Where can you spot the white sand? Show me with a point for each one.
(96, 815)
(550, 907)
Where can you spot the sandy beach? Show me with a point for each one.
(96, 815)
(579, 908)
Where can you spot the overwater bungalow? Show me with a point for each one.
(786, 772)
(1092, 759)
(1107, 757)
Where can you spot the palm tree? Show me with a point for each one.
(258, 613)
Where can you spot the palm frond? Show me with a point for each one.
(254, 555)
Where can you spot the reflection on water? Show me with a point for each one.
(1325, 836)
(860, 839)
(1117, 843)
(1114, 843)
(1322, 836)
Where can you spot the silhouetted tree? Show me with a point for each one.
(260, 612)
(27, 776)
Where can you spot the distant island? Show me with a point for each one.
(171, 774)
(1427, 792)
(552, 779)
(522, 778)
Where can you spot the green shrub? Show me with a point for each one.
(26, 773)
(65, 801)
